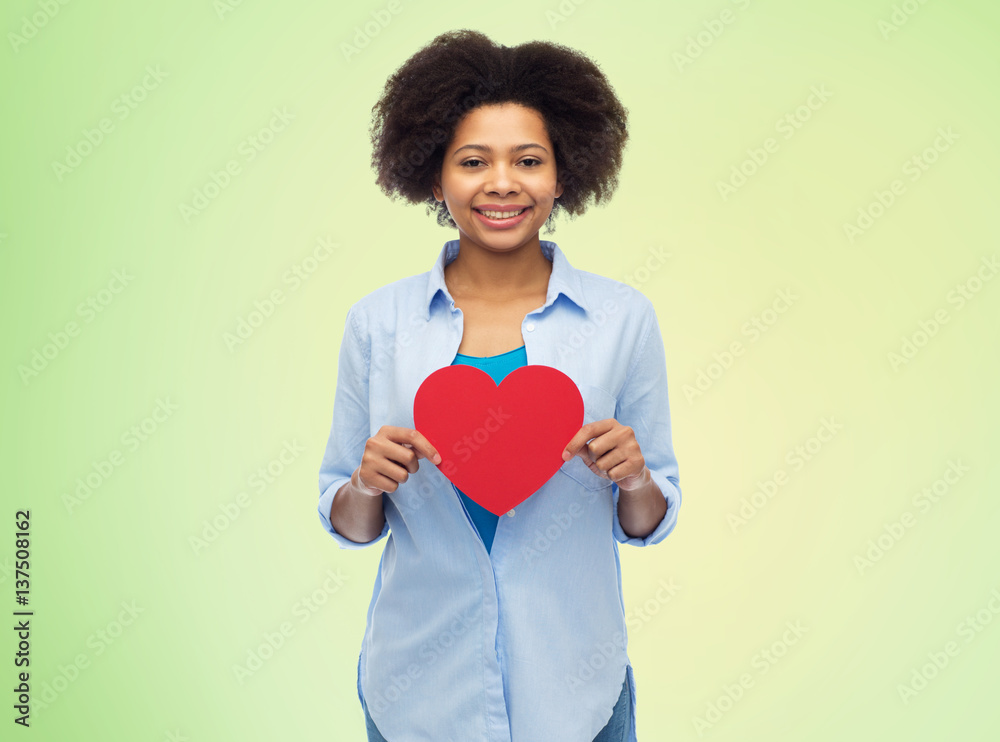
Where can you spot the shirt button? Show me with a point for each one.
(530, 326)
(510, 513)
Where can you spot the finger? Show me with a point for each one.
(404, 455)
(393, 433)
(379, 481)
(393, 471)
(610, 460)
(576, 442)
(395, 454)
(411, 464)
(596, 447)
(424, 448)
(587, 433)
(417, 451)
(407, 446)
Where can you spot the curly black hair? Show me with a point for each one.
(422, 103)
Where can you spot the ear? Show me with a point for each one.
(559, 189)
(436, 187)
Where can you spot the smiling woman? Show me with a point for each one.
(484, 625)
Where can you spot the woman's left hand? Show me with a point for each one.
(612, 453)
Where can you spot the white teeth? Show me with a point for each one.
(500, 214)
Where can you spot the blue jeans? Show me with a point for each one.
(616, 730)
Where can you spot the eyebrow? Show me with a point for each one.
(487, 148)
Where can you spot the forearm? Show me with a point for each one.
(357, 516)
(641, 510)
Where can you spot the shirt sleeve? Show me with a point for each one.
(644, 407)
(350, 429)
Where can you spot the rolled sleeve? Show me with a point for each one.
(350, 428)
(644, 407)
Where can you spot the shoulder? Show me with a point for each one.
(385, 303)
(606, 296)
(620, 312)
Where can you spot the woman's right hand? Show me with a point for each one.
(390, 457)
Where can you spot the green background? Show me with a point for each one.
(696, 105)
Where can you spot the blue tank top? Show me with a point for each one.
(497, 367)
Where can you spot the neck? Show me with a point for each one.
(490, 274)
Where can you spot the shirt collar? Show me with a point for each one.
(564, 279)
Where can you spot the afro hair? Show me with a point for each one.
(423, 102)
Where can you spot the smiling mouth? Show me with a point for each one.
(501, 215)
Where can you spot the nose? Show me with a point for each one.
(502, 180)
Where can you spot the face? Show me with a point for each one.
(500, 156)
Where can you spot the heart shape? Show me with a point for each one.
(498, 444)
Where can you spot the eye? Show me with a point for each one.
(525, 161)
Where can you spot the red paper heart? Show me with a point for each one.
(498, 444)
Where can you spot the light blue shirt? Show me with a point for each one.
(528, 642)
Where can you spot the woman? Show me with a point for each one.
(483, 627)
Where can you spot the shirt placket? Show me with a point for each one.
(458, 325)
(530, 327)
